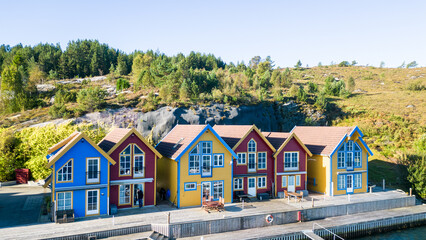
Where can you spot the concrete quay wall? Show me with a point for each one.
(189, 229)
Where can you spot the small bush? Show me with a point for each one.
(416, 86)
(293, 91)
(312, 87)
(89, 99)
(122, 84)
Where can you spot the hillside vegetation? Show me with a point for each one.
(386, 103)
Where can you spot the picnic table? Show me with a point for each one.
(213, 205)
(242, 196)
(298, 196)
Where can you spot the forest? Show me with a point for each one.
(346, 93)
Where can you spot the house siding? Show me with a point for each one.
(149, 172)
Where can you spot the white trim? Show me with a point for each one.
(352, 172)
(290, 173)
(130, 181)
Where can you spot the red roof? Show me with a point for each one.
(178, 140)
(232, 134)
(112, 138)
(322, 140)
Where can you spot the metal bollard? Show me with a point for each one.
(349, 197)
(242, 205)
(168, 218)
(383, 184)
(313, 202)
(411, 193)
(113, 220)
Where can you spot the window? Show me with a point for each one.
(64, 200)
(357, 159)
(358, 181)
(124, 194)
(341, 184)
(349, 146)
(340, 159)
(65, 173)
(92, 170)
(207, 147)
(241, 158)
(190, 186)
(297, 180)
(261, 182)
(217, 189)
(284, 181)
(92, 204)
(138, 161)
(218, 160)
(194, 164)
(200, 159)
(261, 160)
(206, 167)
(291, 160)
(252, 162)
(125, 157)
(349, 160)
(252, 146)
(238, 184)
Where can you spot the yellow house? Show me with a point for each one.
(196, 164)
(339, 164)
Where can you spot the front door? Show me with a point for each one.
(206, 190)
(349, 183)
(251, 186)
(291, 184)
(136, 187)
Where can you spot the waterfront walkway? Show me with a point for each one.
(327, 223)
(157, 214)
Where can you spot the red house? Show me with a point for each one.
(135, 168)
(290, 161)
(253, 171)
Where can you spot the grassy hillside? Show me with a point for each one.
(388, 104)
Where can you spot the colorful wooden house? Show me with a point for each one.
(290, 161)
(80, 176)
(339, 164)
(135, 169)
(254, 168)
(196, 165)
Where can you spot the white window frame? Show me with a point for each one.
(341, 161)
(291, 162)
(341, 182)
(194, 160)
(69, 165)
(259, 163)
(250, 147)
(93, 211)
(357, 181)
(298, 181)
(248, 162)
(219, 158)
(190, 186)
(88, 178)
(127, 161)
(261, 182)
(284, 181)
(59, 199)
(217, 189)
(138, 155)
(206, 147)
(122, 191)
(241, 158)
(238, 183)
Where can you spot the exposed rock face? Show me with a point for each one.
(272, 117)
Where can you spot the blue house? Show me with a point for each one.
(80, 176)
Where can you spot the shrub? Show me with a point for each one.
(312, 87)
(301, 94)
(89, 99)
(416, 86)
(122, 84)
(344, 64)
(293, 91)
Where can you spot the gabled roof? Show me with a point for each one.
(62, 143)
(71, 141)
(112, 138)
(280, 140)
(325, 140)
(233, 135)
(118, 135)
(181, 137)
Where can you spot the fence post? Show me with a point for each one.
(313, 202)
(168, 218)
(383, 184)
(411, 192)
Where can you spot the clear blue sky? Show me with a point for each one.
(312, 31)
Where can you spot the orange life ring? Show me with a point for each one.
(269, 218)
